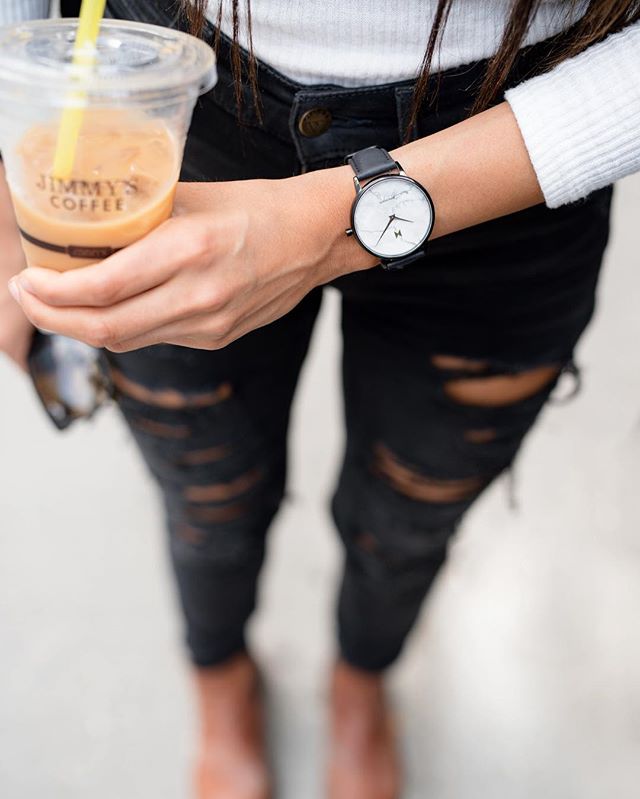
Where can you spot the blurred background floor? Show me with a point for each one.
(522, 681)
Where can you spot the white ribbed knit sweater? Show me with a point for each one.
(580, 122)
(364, 42)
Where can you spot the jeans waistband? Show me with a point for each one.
(325, 121)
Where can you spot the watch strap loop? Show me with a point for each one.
(395, 264)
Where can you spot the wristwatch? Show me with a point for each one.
(392, 215)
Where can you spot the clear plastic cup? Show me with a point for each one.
(135, 103)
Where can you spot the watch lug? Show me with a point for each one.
(357, 184)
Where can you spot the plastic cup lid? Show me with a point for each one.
(134, 62)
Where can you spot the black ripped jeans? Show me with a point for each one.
(446, 366)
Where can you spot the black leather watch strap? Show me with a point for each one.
(394, 264)
(371, 162)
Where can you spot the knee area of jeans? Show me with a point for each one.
(394, 519)
(209, 486)
(384, 539)
(166, 419)
(411, 482)
(183, 451)
(225, 519)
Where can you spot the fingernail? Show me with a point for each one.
(14, 289)
(25, 283)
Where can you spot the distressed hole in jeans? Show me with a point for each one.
(223, 492)
(190, 535)
(408, 481)
(367, 542)
(216, 514)
(161, 429)
(197, 457)
(497, 391)
(168, 397)
(480, 436)
(455, 363)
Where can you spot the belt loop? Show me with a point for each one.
(404, 96)
(295, 133)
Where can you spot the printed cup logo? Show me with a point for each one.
(87, 196)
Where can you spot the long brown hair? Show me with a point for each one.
(601, 17)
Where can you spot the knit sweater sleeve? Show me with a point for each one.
(17, 10)
(581, 121)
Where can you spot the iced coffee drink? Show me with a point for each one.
(133, 109)
(122, 187)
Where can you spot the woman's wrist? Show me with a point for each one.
(319, 203)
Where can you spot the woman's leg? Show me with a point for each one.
(212, 429)
(427, 432)
(446, 367)
(424, 445)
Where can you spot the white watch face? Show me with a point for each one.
(393, 216)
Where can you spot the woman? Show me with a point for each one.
(450, 351)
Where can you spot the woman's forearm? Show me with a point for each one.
(475, 171)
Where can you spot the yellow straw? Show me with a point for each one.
(84, 54)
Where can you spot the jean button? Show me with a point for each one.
(315, 122)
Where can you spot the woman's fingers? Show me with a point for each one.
(182, 332)
(204, 332)
(102, 327)
(141, 266)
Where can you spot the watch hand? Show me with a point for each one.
(402, 219)
(391, 218)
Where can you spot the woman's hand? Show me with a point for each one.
(235, 256)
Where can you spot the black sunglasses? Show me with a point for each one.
(71, 379)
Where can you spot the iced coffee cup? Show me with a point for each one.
(133, 107)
